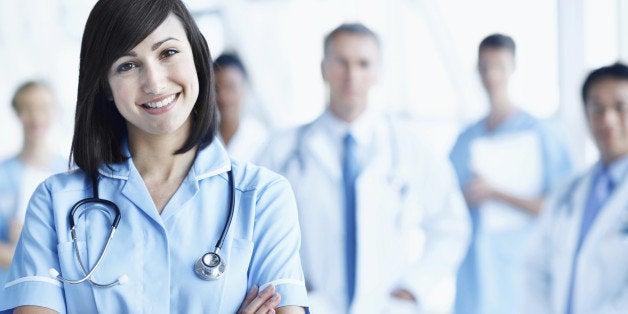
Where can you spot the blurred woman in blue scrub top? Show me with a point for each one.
(34, 105)
(144, 135)
(502, 213)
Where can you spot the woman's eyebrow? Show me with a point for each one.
(154, 47)
(159, 43)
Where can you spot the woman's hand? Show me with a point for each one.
(264, 303)
(403, 294)
(15, 228)
(478, 191)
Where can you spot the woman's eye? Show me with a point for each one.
(124, 67)
(169, 52)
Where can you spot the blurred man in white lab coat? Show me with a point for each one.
(384, 225)
(578, 258)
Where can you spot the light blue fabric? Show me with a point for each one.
(12, 172)
(350, 171)
(158, 252)
(476, 292)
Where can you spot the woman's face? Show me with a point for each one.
(155, 85)
(35, 108)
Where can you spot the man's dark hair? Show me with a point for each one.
(499, 41)
(617, 71)
(232, 60)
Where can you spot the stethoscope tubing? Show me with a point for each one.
(97, 200)
(225, 229)
(89, 274)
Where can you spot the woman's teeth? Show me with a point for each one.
(160, 104)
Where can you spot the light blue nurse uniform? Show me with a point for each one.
(498, 254)
(12, 172)
(158, 252)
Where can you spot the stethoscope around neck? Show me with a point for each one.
(209, 266)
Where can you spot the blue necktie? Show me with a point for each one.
(350, 170)
(599, 194)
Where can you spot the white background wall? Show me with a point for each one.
(430, 50)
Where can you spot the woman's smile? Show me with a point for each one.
(161, 104)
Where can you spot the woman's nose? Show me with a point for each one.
(153, 79)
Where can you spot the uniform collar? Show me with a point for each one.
(210, 160)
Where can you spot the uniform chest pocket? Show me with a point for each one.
(614, 254)
(86, 297)
(235, 279)
(79, 297)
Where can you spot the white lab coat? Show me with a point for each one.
(412, 224)
(602, 271)
(248, 139)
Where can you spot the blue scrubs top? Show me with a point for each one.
(12, 172)
(158, 252)
(480, 295)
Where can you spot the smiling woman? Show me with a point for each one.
(151, 172)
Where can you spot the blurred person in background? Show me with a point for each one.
(506, 164)
(577, 260)
(384, 225)
(34, 105)
(242, 134)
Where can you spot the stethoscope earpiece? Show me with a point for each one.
(210, 266)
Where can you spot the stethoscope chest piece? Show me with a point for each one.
(210, 266)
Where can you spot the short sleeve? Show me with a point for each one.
(28, 282)
(460, 156)
(277, 241)
(557, 161)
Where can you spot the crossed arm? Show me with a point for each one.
(264, 303)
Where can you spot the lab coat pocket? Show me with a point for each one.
(613, 258)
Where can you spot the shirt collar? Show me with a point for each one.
(361, 128)
(618, 169)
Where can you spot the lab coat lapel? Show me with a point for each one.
(321, 148)
(574, 214)
(610, 212)
(567, 229)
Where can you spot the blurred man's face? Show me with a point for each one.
(496, 65)
(351, 68)
(607, 116)
(231, 89)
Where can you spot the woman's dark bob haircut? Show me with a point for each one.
(113, 28)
